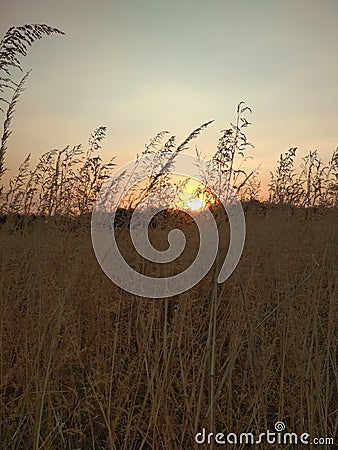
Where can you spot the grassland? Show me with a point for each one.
(84, 365)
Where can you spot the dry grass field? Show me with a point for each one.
(87, 366)
(84, 365)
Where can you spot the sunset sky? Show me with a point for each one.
(139, 67)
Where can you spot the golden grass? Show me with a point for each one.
(84, 365)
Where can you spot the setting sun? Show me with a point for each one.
(194, 204)
(187, 199)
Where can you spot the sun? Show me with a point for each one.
(195, 204)
(188, 200)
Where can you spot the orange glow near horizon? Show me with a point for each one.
(195, 204)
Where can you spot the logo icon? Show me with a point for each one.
(115, 189)
(280, 426)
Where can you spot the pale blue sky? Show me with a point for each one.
(139, 67)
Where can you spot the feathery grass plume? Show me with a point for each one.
(251, 186)
(193, 135)
(314, 175)
(92, 173)
(64, 182)
(15, 43)
(314, 185)
(154, 143)
(168, 164)
(233, 142)
(141, 166)
(332, 179)
(69, 171)
(170, 145)
(158, 170)
(283, 188)
(17, 187)
(7, 122)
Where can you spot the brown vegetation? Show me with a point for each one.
(84, 365)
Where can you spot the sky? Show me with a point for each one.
(139, 67)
